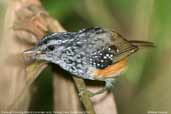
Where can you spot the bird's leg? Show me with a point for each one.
(108, 86)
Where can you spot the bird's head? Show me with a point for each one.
(50, 47)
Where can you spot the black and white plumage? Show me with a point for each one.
(88, 52)
(84, 51)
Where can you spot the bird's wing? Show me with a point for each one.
(111, 48)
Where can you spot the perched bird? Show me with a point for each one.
(92, 53)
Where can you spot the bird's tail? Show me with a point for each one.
(142, 43)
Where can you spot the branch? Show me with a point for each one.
(84, 97)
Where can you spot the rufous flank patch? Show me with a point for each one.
(111, 70)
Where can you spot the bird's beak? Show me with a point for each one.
(32, 51)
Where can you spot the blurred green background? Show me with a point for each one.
(145, 87)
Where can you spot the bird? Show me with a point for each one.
(92, 53)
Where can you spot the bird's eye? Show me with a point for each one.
(51, 47)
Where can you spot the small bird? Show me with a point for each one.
(93, 53)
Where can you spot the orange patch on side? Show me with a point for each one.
(111, 70)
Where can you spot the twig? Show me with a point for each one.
(84, 97)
